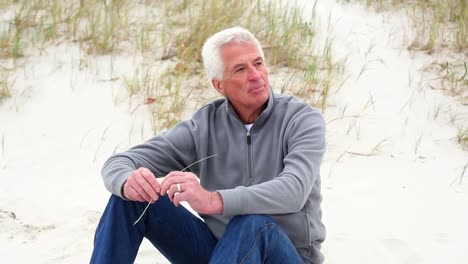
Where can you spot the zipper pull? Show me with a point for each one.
(248, 138)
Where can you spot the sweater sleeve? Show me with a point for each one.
(164, 153)
(288, 191)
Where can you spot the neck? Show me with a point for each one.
(248, 116)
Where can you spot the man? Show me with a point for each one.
(259, 196)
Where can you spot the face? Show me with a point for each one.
(245, 79)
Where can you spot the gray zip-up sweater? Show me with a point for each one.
(274, 169)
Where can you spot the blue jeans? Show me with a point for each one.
(183, 238)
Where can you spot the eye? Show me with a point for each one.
(259, 63)
(239, 69)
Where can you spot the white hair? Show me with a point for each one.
(211, 52)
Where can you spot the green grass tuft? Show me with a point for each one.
(5, 84)
(171, 33)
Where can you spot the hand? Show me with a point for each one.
(201, 200)
(142, 186)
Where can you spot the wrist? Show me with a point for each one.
(216, 203)
(122, 190)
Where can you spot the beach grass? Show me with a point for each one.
(287, 41)
(441, 27)
(169, 35)
(462, 136)
(437, 23)
(6, 84)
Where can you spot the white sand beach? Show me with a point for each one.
(393, 178)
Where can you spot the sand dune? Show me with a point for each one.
(392, 177)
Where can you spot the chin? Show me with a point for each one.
(265, 96)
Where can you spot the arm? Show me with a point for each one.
(166, 152)
(287, 192)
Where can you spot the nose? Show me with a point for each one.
(253, 74)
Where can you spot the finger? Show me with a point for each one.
(133, 182)
(169, 176)
(178, 176)
(136, 185)
(133, 195)
(151, 179)
(194, 176)
(182, 197)
(174, 191)
(171, 192)
(168, 182)
(130, 192)
(145, 184)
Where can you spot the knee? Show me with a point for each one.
(118, 203)
(114, 199)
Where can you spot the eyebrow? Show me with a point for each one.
(259, 58)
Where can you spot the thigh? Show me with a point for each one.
(178, 234)
(255, 239)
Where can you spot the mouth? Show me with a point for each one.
(256, 88)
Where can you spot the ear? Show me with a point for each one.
(218, 86)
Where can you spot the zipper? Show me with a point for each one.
(249, 156)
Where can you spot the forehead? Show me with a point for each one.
(235, 53)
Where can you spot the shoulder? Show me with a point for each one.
(296, 109)
(192, 128)
(206, 114)
(210, 109)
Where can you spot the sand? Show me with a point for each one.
(392, 176)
